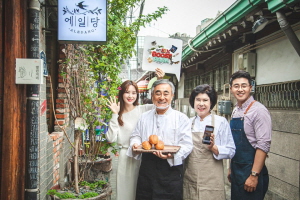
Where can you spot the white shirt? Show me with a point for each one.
(223, 136)
(173, 128)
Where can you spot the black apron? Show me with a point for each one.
(242, 162)
(157, 180)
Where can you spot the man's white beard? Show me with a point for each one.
(162, 108)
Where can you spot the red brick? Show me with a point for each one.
(60, 122)
(49, 101)
(62, 105)
(55, 135)
(61, 90)
(61, 116)
(61, 100)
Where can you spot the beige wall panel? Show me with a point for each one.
(281, 189)
(286, 144)
(284, 169)
(286, 121)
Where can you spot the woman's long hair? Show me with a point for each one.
(123, 88)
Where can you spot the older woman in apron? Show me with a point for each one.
(204, 174)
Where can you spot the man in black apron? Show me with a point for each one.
(251, 129)
(161, 176)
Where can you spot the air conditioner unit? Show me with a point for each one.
(247, 62)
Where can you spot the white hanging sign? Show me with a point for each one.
(82, 21)
(29, 71)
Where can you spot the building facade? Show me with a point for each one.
(261, 37)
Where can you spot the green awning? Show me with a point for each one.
(233, 14)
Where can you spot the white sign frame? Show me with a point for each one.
(82, 22)
(164, 53)
(29, 71)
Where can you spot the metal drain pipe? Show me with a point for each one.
(33, 107)
(289, 32)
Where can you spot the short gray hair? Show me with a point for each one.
(163, 81)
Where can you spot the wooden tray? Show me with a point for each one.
(167, 149)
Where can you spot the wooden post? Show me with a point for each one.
(14, 44)
(1, 82)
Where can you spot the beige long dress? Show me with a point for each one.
(128, 168)
(204, 176)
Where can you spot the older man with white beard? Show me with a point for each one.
(160, 175)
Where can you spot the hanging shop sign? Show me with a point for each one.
(164, 53)
(83, 22)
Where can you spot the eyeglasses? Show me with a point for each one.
(243, 86)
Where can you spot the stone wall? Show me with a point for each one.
(283, 161)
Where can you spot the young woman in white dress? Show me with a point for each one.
(126, 114)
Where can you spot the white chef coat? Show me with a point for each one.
(173, 128)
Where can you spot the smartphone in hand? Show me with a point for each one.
(207, 133)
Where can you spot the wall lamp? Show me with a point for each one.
(259, 24)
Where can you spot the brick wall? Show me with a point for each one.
(55, 150)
